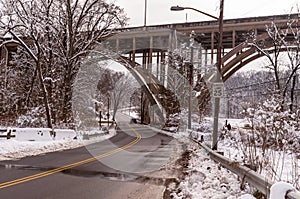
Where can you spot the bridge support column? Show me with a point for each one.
(199, 60)
(145, 104)
(205, 61)
(157, 65)
(133, 49)
(162, 68)
(144, 59)
(233, 38)
(150, 60)
(212, 48)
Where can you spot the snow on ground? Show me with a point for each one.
(217, 182)
(130, 112)
(285, 162)
(35, 141)
(207, 179)
(283, 165)
(279, 190)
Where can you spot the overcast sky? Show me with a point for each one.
(158, 11)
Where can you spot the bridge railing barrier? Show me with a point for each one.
(258, 181)
(7, 133)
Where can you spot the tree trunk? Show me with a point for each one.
(39, 73)
(292, 92)
(67, 106)
(45, 96)
(31, 87)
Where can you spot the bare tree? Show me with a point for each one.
(84, 23)
(59, 34)
(117, 86)
(122, 91)
(37, 59)
(283, 40)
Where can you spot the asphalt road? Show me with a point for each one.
(120, 167)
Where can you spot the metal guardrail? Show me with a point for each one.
(246, 174)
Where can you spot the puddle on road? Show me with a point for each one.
(24, 167)
(123, 177)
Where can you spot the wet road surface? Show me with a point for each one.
(115, 168)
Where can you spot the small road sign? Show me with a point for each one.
(218, 90)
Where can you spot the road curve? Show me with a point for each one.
(119, 167)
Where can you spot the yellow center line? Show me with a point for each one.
(69, 166)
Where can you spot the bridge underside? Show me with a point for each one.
(236, 51)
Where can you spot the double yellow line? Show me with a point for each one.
(69, 166)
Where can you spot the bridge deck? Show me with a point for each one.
(235, 30)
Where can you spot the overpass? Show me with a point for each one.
(155, 41)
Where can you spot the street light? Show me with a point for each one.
(219, 56)
(179, 8)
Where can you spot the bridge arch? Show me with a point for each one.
(144, 54)
(149, 84)
(246, 53)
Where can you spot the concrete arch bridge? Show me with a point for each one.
(237, 49)
(147, 48)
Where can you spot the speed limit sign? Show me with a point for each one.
(218, 90)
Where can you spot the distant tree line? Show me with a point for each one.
(250, 89)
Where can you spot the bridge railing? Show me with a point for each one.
(7, 133)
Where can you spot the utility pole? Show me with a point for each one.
(218, 78)
(145, 15)
(217, 93)
(191, 79)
